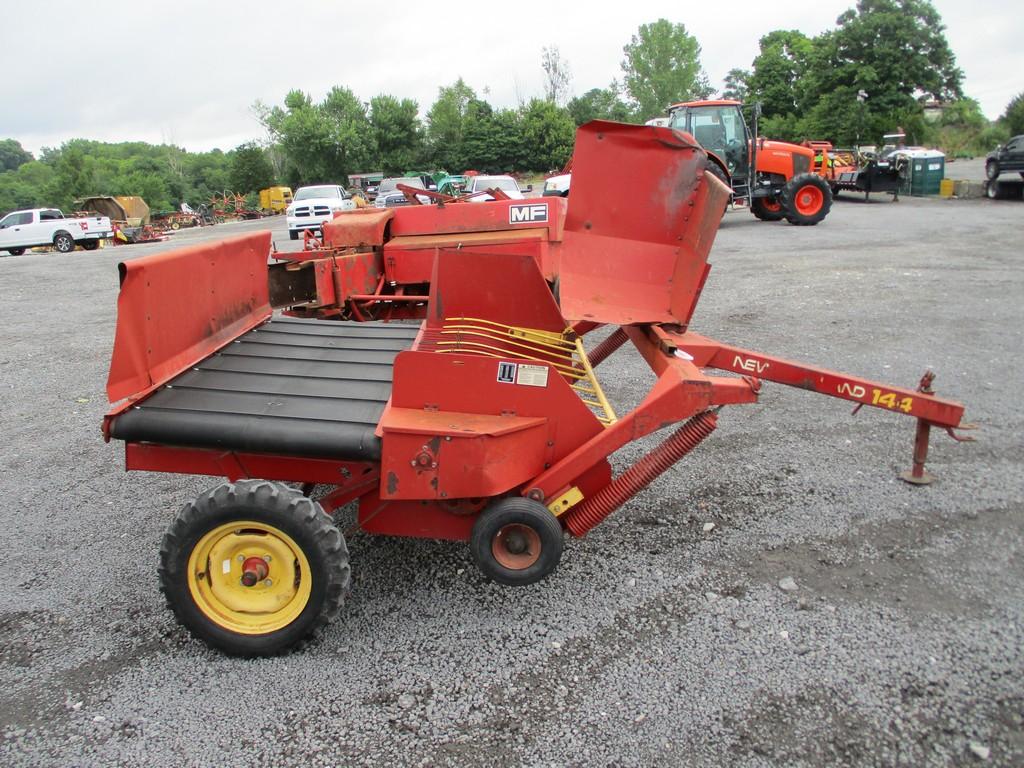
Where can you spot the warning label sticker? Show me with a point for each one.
(532, 375)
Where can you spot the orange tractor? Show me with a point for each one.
(775, 178)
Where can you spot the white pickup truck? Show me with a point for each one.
(47, 226)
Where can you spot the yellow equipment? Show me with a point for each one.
(275, 199)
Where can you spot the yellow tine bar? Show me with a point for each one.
(487, 334)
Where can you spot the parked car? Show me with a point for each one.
(558, 185)
(20, 230)
(1006, 157)
(389, 196)
(506, 184)
(312, 206)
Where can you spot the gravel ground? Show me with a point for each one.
(657, 642)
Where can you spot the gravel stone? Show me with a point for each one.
(797, 487)
(788, 584)
(979, 750)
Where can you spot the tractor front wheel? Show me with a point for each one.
(517, 541)
(254, 568)
(806, 199)
(767, 209)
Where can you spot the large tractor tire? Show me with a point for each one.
(516, 541)
(254, 568)
(767, 209)
(806, 199)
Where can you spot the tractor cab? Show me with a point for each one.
(718, 126)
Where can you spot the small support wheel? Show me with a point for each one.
(254, 568)
(517, 541)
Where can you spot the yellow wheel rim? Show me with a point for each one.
(215, 570)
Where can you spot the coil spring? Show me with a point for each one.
(615, 340)
(596, 508)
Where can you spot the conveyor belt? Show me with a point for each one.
(308, 388)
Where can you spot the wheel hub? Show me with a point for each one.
(516, 546)
(253, 569)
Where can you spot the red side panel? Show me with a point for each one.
(462, 431)
(642, 217)
(409, 259)
(505, 288)
(178, 307)
(548, 212)
(445, 455)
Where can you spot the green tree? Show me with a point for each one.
(481, 148)
(396, 132)
(662, 66)
(446, 123)
(323, 142)
(891, 50)
(548, 134)
(600, 104)
(12, 155)
(250, 169)
(778, 70)
(736, 85)
(1013, 118)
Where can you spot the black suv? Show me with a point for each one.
(1008, 157)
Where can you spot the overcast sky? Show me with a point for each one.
(188, 72)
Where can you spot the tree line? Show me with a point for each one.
(874, 71)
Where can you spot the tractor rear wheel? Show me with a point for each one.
(516, 541)
(806, 199)
(254, 568)
(767, 209)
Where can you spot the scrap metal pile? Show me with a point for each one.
(484, 421)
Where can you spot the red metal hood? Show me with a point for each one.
(641, 220)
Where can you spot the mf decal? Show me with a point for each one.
(528, 213)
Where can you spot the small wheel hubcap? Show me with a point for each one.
(249, 577)
(516, 546)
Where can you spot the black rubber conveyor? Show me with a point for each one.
(306, 388)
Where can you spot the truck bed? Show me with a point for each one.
(306, 388)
